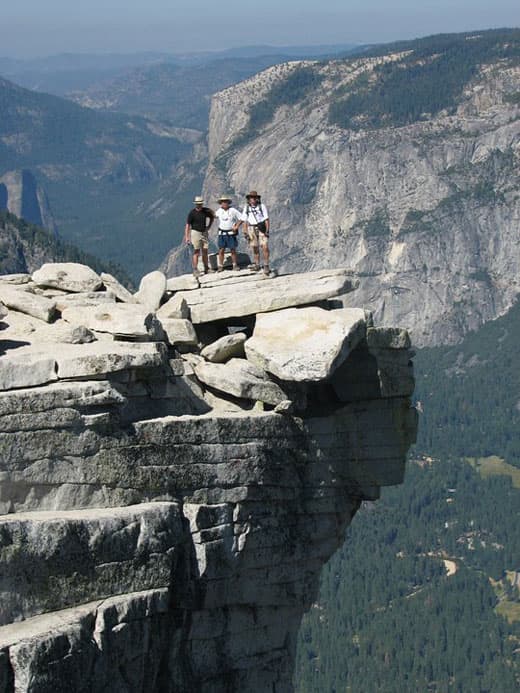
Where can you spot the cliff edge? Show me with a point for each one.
(361, 165)
(177, 465)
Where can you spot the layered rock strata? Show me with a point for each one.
(164, 517)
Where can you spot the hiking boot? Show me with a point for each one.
(208, 270)
(254, 267)
(220, 268)
(266, 270)
(236, 267)
(196, 273)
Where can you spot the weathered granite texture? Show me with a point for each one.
(162, 531)
(425, 214)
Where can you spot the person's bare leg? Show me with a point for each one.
(256, 255)
(195, 260)
(234, 258)
(205, 258)
(221, 257)
(265, 252)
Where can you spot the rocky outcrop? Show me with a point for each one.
(163, 518)
(425, 214)
(22, 195)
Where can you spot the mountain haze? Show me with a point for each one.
(108, 177)
(179, 90)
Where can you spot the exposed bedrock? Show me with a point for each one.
(162, 528)
(426, 214)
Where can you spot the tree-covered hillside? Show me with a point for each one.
(429, 78)
(25, 247)
(178, 94)
(469, 394)
(105, 174)
(424, 594)
(42, 130)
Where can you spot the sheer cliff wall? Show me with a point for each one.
(425, 213)
(159, 532)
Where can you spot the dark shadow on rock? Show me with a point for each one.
(3, 196)
(9, 344)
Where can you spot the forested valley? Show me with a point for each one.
(433, 603)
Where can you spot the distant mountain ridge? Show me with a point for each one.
(105, 174)
(45, 131)
(64, 73)
(177, 93)
(178, 89)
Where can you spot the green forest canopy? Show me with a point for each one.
(428, 80)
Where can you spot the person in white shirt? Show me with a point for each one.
(256, 219)
(229, 220)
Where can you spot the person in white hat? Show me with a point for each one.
(196, 232)
(229, 221)
(256, 219)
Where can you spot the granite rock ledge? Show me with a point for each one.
(164, 518)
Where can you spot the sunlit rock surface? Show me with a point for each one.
(164, 519)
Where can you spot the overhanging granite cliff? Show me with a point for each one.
(171, 488)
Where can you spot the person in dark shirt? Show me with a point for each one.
(196, 232)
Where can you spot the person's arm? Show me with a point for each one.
(243, 219)
(210, 214)
(238, 221)
(187, 229)
(266, 217)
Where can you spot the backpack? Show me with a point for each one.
(261, 225)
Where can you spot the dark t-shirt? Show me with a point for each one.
(197, 218)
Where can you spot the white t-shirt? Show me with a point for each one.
(254, 214)
(227, 218)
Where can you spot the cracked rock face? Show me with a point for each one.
(163, 518)
(425, 215)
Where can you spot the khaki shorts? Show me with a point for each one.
(199, 239)
(256, 237)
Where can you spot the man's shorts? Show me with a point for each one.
(199, 239)
(226, 240)
(256, 237)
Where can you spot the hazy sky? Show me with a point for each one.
(41, 27)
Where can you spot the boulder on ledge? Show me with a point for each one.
(101, 358)
(225, 348)
(120, 292)
(28, 303)
(26, 369)
(176, 308)
(70, 276)
(305, 344)
(119, 319)
(179, 332)
(265, 295)
(239, 378)
(151, 290)
(184, 282)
